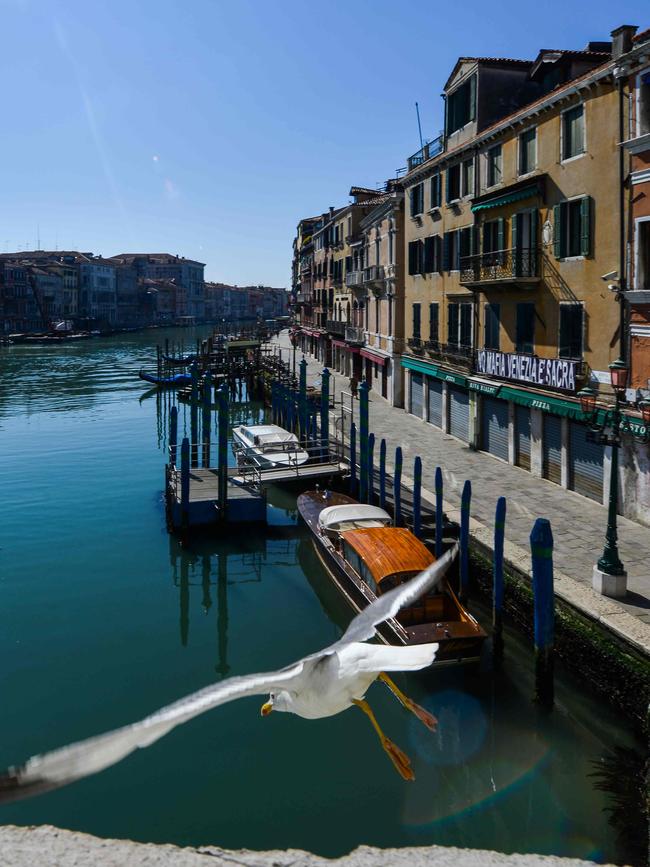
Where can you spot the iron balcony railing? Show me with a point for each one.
(373, 273)
(354, 334)
(498, 266)
(334, 326)
(430, 149)
(353, 278)
(456, 353)
(416, 344)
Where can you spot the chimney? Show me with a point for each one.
(331, 211)
(622, 40)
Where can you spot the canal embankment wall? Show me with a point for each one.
(48, 846)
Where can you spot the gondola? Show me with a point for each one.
(176, 381)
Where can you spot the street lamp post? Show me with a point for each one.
(606, 427)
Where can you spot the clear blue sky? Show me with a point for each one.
(207, 128)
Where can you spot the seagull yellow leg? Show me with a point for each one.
(423, 715)
(398, 757)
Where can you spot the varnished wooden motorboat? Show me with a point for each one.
(365, 557)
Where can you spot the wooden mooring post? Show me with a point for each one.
(382, 474)
(417, 497)
(194, 414)
(207, 418)
(363, 441)
(497, 582)
(541, 545)
(302, 400)
(325, 412)
(397, 488)
(371, 469)
(222, 466)
(353, 459)
(439, 518)
(173, 435)
(465, 506)
(185, 483)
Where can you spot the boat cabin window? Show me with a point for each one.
(358, 565)
(390, 581)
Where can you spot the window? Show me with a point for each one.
(492, 319)
(416, 321)
(527, 151)
(525, 339)
(494, 236)
(451, 251)
(494, 166)
(466, 242)
(459, 324)
(415, 257)
(436, 190)
(573, 132)
(452, 324)
(643, 103)
(571, 327)
(468, 177)
(572, 228)
(642, 245)
(461, 105)
(453, 183)
(434, 311)
(417, 200)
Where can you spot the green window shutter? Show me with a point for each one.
(412, 254)
(458, 244)
(474, 242)
(446, 245)
(437, 254)
(428, 254)
(421, 257)
(472, 98)
(447, 186)
(585, 226)
(558, 231)
(515, 223)
(500, 233)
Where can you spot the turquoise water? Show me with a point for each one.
(105, 618)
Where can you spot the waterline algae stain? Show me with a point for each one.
(105, 618)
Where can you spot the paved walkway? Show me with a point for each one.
(578, 523)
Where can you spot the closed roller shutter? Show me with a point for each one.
(552, 449)
(585, 464)
(494, 427)
(434, 406)
(522, 436)
(459, 413)
(416, 394)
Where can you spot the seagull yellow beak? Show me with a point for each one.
(266, 708)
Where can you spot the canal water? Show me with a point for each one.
(104, 618)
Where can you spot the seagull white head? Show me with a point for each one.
(277, 701)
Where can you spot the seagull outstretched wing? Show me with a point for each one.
(363, 626)
(67, 764)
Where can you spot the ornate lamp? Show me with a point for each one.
(644, 407)
(587, 401)
(619, 373)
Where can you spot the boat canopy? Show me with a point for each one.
(389, 551)
(352, 516)
(267, 434)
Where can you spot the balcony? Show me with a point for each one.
(354, 335)
(354, 278)
(455, 354)
(429, 150)
(373, 274)
(334, 326)
(416, 345)
(501, 266)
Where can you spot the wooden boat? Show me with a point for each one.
(176, 381)
(365, 556)
(179, 362)
(267, 445)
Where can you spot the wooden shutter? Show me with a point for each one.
(474, 240)
(500, 233)
(472, 98)
(558, 230)
(433, 322)
(585, 226)
(446, 243)
(428, 254)
(412, 257)
(452, 324)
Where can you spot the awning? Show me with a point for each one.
(431, 370)
(340, 343)
(374, 356)
(505, 199)
(535, 400)
(491, 388)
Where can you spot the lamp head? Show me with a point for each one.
(587, 400)
(619, 372)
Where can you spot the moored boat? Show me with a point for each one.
(176, 381)
(268, 446)
(365, 556)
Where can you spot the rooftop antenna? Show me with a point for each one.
(417, 111)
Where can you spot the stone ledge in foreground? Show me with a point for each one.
(54, 847)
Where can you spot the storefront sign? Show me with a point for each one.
(483, 387)
(545, 372)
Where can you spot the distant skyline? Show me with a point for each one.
(208, 129)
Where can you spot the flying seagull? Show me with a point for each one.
(320, 685)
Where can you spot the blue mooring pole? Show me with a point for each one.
(185, 483)
(194, 415)
(353, 459)
(173, 435)
(371, 468)
(363, 441)
(439, 518)
(465, 505)
(206, 422)
(222, 466)
(497, 582)
(325, 413)
(541, 546)
(417, 497)
(382, 474)
(302, 399)
(397, 488)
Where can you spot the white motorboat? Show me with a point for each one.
(267, 446)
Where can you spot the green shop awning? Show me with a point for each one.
(506, 198)
(555, 405)
(492, 389)
(420, 366)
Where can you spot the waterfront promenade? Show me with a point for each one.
(578, 523)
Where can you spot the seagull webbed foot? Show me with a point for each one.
(421, 713)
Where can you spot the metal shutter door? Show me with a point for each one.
(434, 407)
(416, 394)
(494, 427)
(552, 449)
(459, 413)
(522, 436)
(585, 464)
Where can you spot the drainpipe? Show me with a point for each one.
(622, 282)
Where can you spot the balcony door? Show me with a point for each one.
(524, 243)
